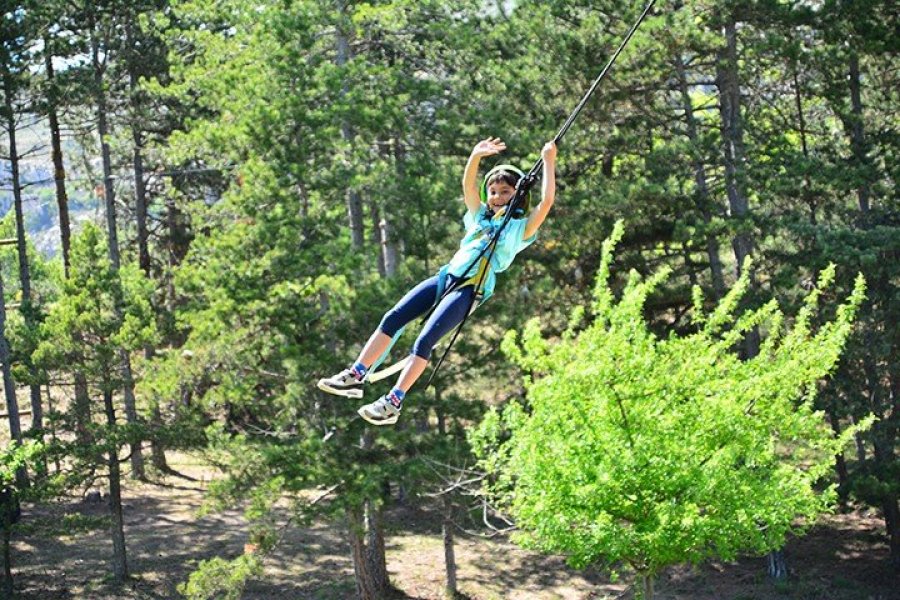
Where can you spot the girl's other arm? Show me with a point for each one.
(548, 191)
(483, 148)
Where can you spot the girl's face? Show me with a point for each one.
(499, 194)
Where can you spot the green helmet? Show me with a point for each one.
(526, 205)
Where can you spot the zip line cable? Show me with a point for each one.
(522, 188)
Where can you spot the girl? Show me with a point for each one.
(485, 211)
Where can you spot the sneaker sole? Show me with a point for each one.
(368, 419)
(346, 393)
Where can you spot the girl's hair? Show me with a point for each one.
(507, 177)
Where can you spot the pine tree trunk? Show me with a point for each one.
(157, 452)
(59, 170)
(375, 551)
(173, 233)
(733, 139)
(450, 589)
(377, 236)
(354, 201)
(777, 568)
(891, 509)
(808, 196)
(82, 407)
(137, 461)
(859, 444)
(137, 457)
(103, 129)
(37, 413)
(840, 463)
(140, 194)
(53, 437)
(9, 387)
(117, 525)
(388, 248)
(883, 443)
(140, 188)
(645, 590)
(8, 591)
(365, 586)
(704, 204)
(82, 401)
(857, 133)
(728, 83)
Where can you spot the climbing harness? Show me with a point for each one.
(518, 205)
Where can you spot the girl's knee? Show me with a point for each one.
(423, 347)
(391, 322)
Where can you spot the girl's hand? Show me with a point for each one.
(548, 153)
(488, 147)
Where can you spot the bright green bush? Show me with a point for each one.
(649, 452)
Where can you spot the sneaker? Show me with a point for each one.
(344, 384)
(380, 412)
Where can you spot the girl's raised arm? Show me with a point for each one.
(486, 147)
(548, 191)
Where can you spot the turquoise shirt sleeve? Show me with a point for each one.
(470, 219)
(516, 231)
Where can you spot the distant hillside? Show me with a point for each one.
(39, 204)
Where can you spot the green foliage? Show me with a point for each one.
(16, 457)
(221, 579)
(100, 312)
(652, 451)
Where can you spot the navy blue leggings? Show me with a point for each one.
(448, 314)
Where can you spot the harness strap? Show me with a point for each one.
(374, 374)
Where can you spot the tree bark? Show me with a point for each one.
(702, 197)
(891, 509)
(883, 441)
(137, 457)
(646, 591)
(140, 188)
(777, 568)
(82, 407)
(9, 387)
(807, 193)
(375, 551)
(859, 444)
(59, 169)
(728, 83)
(8, 591)
(354, 200)
(82, 401)
(733, 139)
(377, 235)
(37, 413)
(157, 452)
(117, 525)
(858, 134)
(140, 194)
(365, 586)
(840, 463)
(137, 462)
(450, 588)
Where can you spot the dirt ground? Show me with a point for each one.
(844, 558)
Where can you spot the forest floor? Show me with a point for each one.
(63, 549)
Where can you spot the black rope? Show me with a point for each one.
(522, 188)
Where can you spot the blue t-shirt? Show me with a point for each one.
(479, 230)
